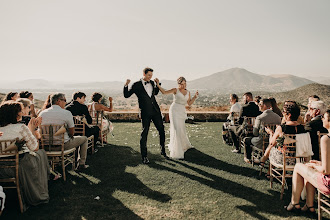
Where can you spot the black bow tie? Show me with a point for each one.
(145, 83)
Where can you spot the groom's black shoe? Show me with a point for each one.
(164, 155)
(145, 160)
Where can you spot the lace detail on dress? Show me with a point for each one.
(31, 141)
(22, 132)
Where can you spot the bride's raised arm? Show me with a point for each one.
(163, 91)
(190, 100)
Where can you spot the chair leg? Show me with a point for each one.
(19, 195)
(74, 161)
(271, 175)
(63, 169)
(102, 138)
(261, 169)
(319, 212)
(283, 184)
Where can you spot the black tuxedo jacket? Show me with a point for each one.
(148, 105)
(78, 109)
(249, 110)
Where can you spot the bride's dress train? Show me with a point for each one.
(179, 142)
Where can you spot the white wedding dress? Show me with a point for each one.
(179, 142)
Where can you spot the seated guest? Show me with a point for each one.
(56, 114)
(11, 96)
(29, 95)
(32, 159)
(78, 108)
(300, 119)
(26, 110)
(291, 112)
(275, 108)
(257, 99)
(315, 174)
(249, 109)
(317, 109)
(96, 104)
(311, 99)
(267, 117)
(235, 108)
(46, 104)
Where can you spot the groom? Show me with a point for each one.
(145, 89)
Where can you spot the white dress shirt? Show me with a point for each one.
(236, 107)
(147, 87)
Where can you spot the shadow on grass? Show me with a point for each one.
(74, 199)
(259, 199)
(197, 157)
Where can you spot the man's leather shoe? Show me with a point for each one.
(82, 167)
(145, 160)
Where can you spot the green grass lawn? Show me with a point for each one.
(211, 183)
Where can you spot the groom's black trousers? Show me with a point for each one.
(158, 122)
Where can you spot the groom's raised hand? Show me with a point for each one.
(156, 81)
(127, 82)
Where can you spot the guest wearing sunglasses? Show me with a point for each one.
(56, 114)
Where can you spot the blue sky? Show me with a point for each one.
(79, 40)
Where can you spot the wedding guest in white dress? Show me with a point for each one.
(179, 142)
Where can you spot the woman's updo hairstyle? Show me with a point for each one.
(293, 109)
(181, 79)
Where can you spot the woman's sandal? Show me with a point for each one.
(292, 207)
(308, 209)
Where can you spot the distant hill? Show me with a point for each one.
(2, 96)
(301, 94)
(321, 79)
(240, 80)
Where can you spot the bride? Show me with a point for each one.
(179, 142)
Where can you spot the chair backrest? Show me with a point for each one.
(48, 139)
(4, 144)
(265, 135)
(290, 152)
(234, 118)
(79, 125)
(97, 117)
(10, 159)
(319, 134)
(249, 122)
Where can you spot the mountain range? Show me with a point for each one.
(232, 80)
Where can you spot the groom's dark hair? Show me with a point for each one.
(147, 69)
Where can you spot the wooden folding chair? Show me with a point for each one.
(257, 153)
(323, 204)
(97, 117)
(10, 159)
(54, 147)
(234, 118)
(79, 129)
(282, 171)
(248, 130)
